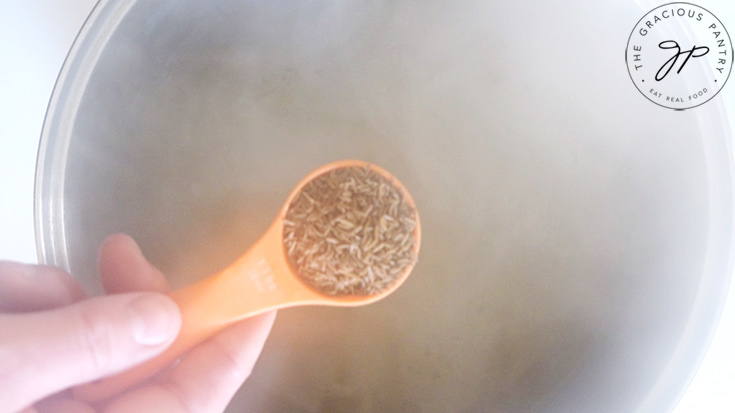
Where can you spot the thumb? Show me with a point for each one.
(42, 353)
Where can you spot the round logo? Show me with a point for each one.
(679, 55)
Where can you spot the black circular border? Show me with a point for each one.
(627, 46)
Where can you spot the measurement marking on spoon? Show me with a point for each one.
(262, 276)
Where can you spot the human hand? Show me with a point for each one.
(52, 337)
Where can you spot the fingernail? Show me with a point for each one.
(154, 319)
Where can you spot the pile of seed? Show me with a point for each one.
(350, 232)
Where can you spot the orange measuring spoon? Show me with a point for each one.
(259, 281)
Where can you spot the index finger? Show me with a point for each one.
(124, 268)
(26, 287)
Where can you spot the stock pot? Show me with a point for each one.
(577, 239)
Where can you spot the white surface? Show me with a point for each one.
(34, 38)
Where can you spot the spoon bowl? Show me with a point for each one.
(260, 280)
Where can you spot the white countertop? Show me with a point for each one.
(34, 38)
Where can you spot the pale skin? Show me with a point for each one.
(53, 337)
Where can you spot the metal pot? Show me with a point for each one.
(576, 238)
